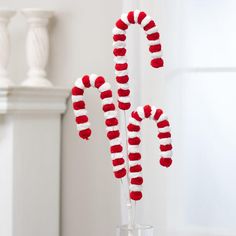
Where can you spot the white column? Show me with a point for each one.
(30, 123)
(5, 16)
(37, 47)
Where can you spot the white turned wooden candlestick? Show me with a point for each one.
(5, 16)
(37, 47)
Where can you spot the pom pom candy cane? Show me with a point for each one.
(119, 37)
(134, 140)
(110, 115)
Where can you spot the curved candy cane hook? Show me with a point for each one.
(134, 140)
(119, 37)
(110, 115)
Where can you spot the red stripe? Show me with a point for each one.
(157, 62)
(81, 119)
(134, 141)
(134, 156)
(132, 127)
(119, 51)
(165, 148)
(118, 161)
(86, 81)
(155, 48)
(120, 173)
(78, 105)
(108, 107)
(106, 94)
(164, 135)
(99, 81)
(147, 111)
(150, 25)
(116, 149)
(120, 67)
(137, 181)
(153, 36)
(136, 168)
(135, 115)
(124, 106)
(122, 79)
(121, 25)
(163, 124)
(77, 91)
(85, 134)
(141, 16)
(111, 122)
(136, 195)
(113, 134)
(158, 113)
(119, 37)
(131, 17)
(123, 92)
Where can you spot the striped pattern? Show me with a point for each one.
(119, 44)
(164, 135)
(110, 114)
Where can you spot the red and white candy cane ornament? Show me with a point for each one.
(110, 114)
(164, 136)
(119, 44)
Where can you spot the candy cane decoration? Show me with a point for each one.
(110, 114)
(119, 44)
(134, 140)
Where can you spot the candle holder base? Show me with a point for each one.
(136, 230)
(37, 82)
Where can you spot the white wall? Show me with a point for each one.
(81, 42)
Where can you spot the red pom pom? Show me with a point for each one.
(123, 92)
(154, 36)
(85, 134)
(120, 173)
(77, 91)
(78, 105)
(106, 94)
(165, 148)
(166, 162)
(141, 16)
(150, 25)
(137, 181)
(135, 115)
(99, 81)
(81, 119)
(157, 62)
(164, 135)
(124, 106)
(134, 156)
(158, 113)
(119, 37)
(131, 17)
(108, 107)
(119, 51)
(134, 141)
(136, 195)
(113, 134)
(136, 168)
(163, 124)
(147, 111)
(122, 79)
(116, 149)
(111, 122)
(121, 25)
(155, 48)
(86, 81)
(118, 161)
(123, 66)
(132, 127)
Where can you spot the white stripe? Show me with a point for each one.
(124, 18)
(107, 101)
(156, 54)
(116, 30)
(110, 114)
(135, 188)
(165, 141)
(77, 98)
(83, 126)
(153, 42)
(106, 86)
(134, 121)
(119, 167)
(152, 30)
(153, 112)
(115, 141)
(162, 117)
(135, 174)
(116, 155)
(136, 14)
(133, 134)
(164, 130)
(124, 86)
(167, 153)
(121, 72)
(134, 163)
(119, 44)
(145, 21)
(92, 78)
(120, 60)
(133, 148)
(112, 128)
(81, 112)
(79, 83)
(140, 112)
(124, 99)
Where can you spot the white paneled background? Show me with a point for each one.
(196, 88)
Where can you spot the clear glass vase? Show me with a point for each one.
(136, 230)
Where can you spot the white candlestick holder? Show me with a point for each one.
(5, 16)
(37, 47)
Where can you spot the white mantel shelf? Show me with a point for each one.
(30, 137)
